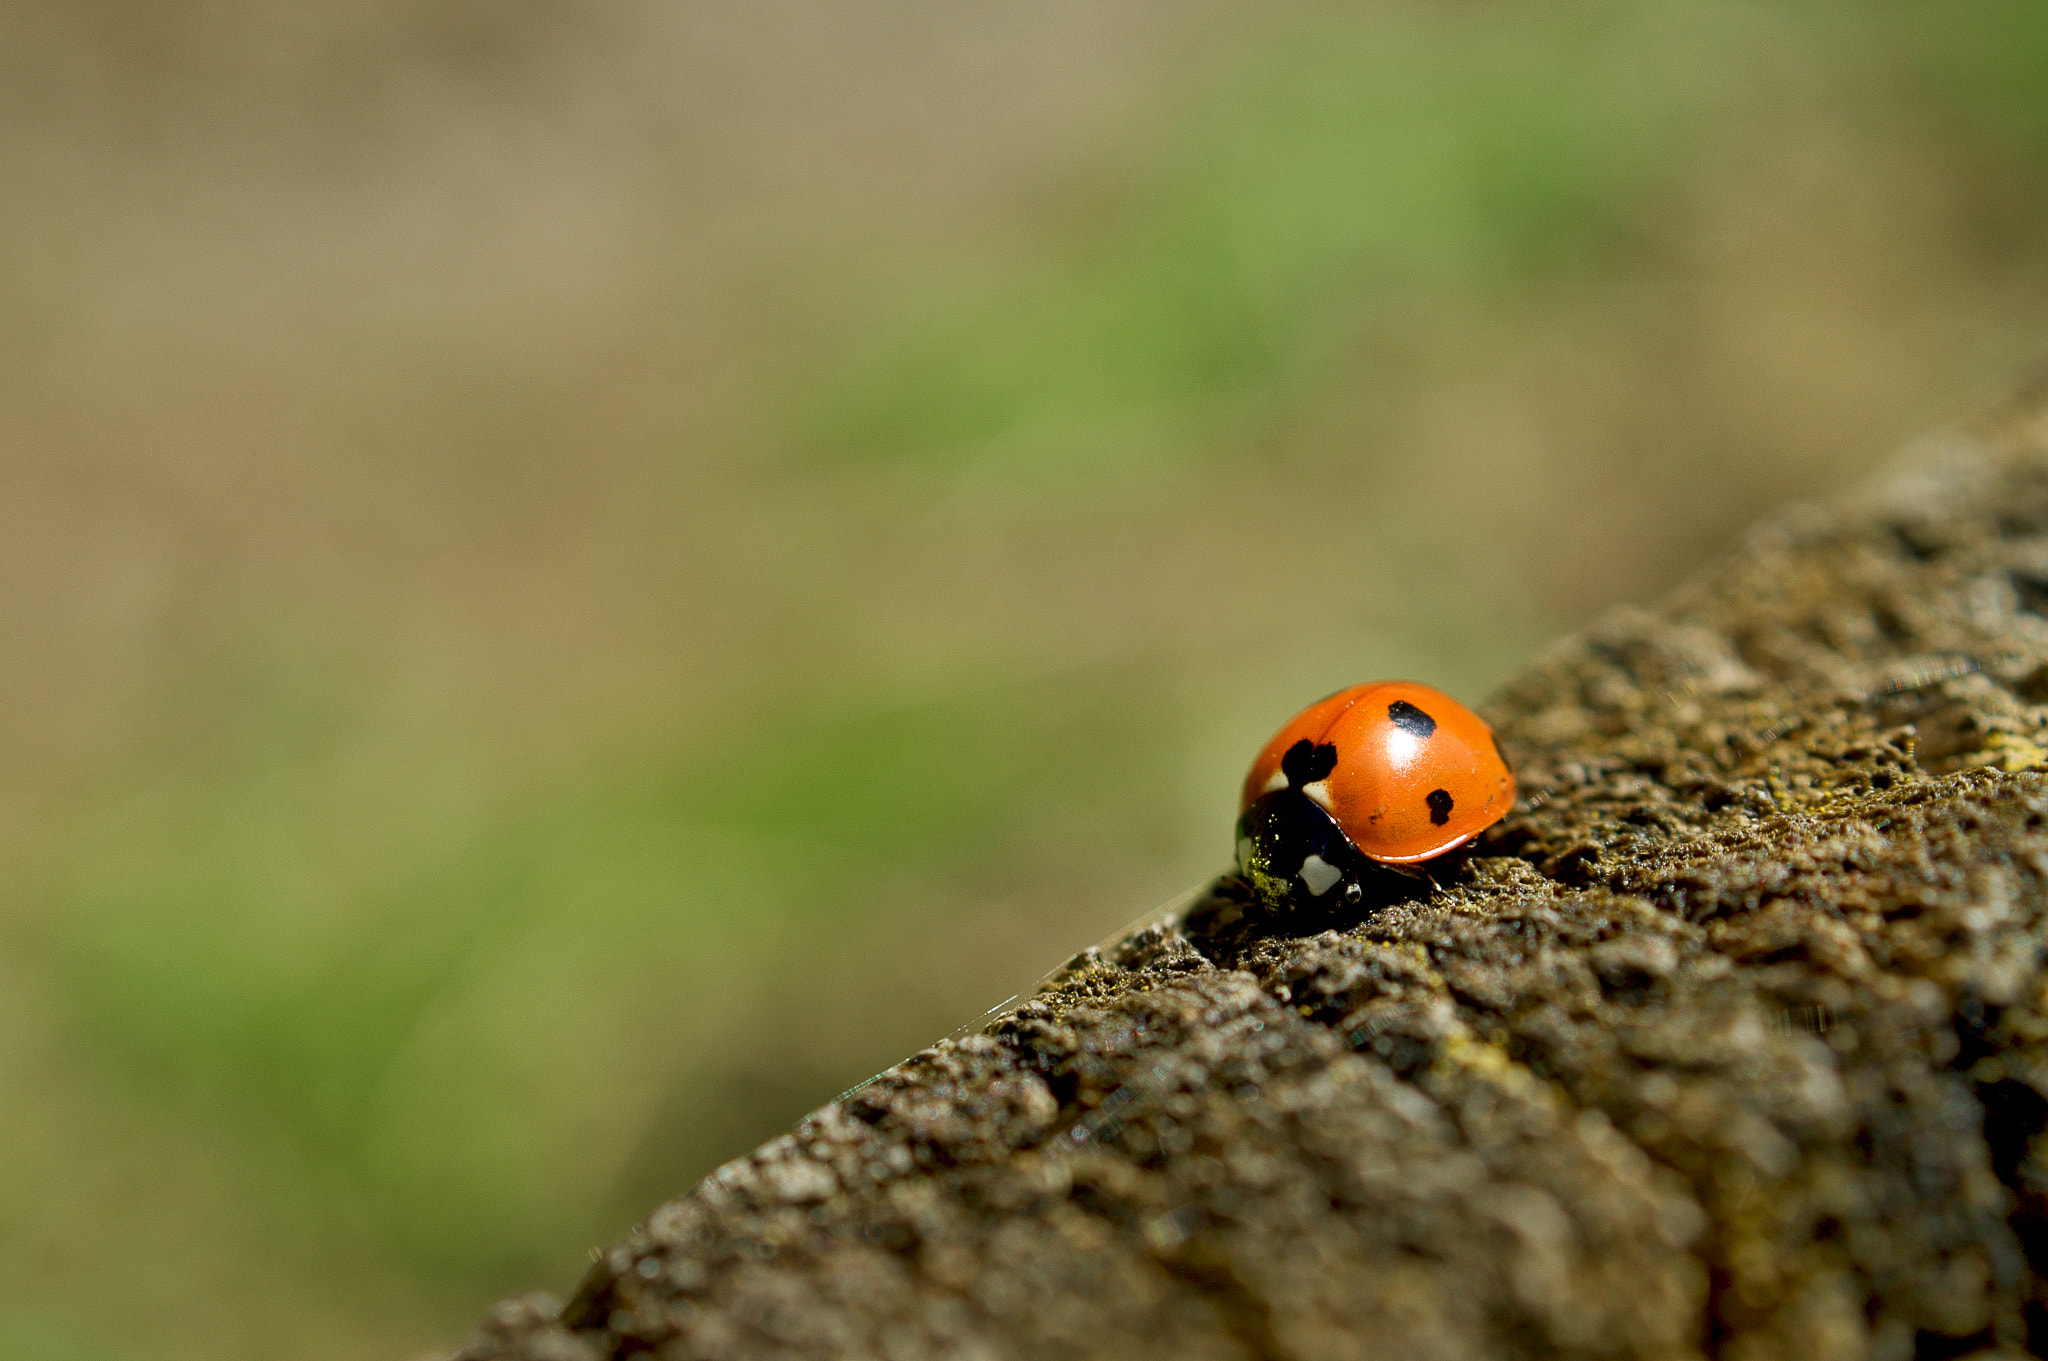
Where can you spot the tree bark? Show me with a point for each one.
(1732, 1040)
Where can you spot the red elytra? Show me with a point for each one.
(1417, 773)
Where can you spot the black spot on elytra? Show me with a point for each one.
(1410, 719)
(1305, 762)
(1439, 802)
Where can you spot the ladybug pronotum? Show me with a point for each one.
(1389, 774)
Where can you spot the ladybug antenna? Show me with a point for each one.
(1305, 762)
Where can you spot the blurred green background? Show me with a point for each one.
(578, 577)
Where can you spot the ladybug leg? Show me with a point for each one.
(1416, 872)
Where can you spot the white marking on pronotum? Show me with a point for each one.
(1319, 790)
(1319, 874)
(1278, 780)
(1244, 852)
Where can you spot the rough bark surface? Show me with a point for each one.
(1731, 1041)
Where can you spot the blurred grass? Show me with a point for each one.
(579, 578)
(1326, 174)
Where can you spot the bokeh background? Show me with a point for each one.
(577, 576)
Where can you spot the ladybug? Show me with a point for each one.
(1386, 774)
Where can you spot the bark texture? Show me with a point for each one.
(1732, 1040)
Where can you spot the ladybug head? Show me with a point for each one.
(1290, 850)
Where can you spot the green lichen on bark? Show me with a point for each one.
(1731, 1041)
